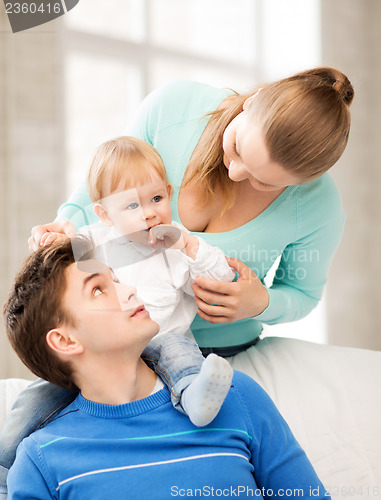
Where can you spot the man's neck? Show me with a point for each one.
(116, 385)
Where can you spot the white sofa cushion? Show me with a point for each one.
(9, 389)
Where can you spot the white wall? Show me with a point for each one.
(32, 177)
(351, 40)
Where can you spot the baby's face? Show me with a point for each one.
(140, 208)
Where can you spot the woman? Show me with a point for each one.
(249, 176)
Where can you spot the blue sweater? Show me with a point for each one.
(303, 225)
(145, 449)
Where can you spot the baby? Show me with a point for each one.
(131, 196)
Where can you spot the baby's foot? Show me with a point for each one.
(203, 398)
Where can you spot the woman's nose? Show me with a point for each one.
(237, 171)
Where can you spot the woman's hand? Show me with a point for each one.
(245, 298)
(40, 234)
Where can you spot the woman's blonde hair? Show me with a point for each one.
(305, 120)
(125, 160)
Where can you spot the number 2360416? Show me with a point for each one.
(33, 8)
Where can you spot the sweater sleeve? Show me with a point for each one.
(280, 464)
(302, 273)
(26, 479)
(155, 112)
(78, 209)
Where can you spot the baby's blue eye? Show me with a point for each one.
(97, 291)
(133, 206)
(157, 198)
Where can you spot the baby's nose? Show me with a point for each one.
(149, 213)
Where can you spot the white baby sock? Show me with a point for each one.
(203, 398)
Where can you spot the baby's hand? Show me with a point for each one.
(35, 241)
(166, 236)
(49, 238)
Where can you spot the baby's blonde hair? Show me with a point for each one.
(128, 160)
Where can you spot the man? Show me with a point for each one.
(74, 325)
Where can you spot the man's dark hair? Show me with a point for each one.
(34, 307)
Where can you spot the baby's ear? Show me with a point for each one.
(169, 190)
(102, 214)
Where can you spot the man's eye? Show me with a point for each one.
(157, 198)
(97, 291)
(132, 206)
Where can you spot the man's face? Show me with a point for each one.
(109, 316)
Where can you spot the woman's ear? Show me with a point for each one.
(250, 99)
(102, 214)
(169, 190)
(60, 341)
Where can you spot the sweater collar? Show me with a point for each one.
(127, 410)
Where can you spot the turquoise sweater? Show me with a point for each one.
(147, 450)
(303, 225)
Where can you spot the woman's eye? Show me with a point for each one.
(97, 291)
(157, 198)
(132, 206)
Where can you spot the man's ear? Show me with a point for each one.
(60, 341)
(251, 98)
(102, 214)
(169, 190)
